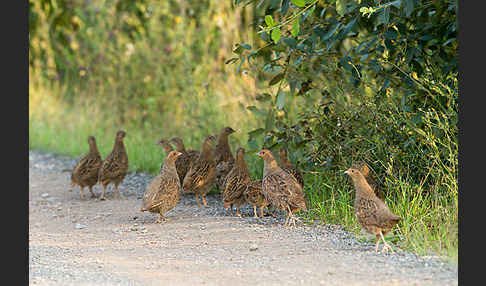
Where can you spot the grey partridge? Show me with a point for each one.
(371, 212)
(115, 166)
(202, 174)
(188, 157)
(163, 192)
(235, 183)
(254, 196)
(223, 157)
(280, 188)
(85, 173)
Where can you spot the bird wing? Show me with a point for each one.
(199, 175)
(115, 165)
(87, 166)
(161, 189)
(282, 190)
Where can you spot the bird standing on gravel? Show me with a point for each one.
(280, 188)
(223, 157)
(115, 166)
(202, 174)
(188, 157)
(371, 212)
(235, 183)
(163, 192)
(254, 195)
(287, 166)
(85, 173)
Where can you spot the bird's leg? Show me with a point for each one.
(238, 210)
(118, 195)
(261, 211)
(231, 209)
(161, 219)
(255, 211)
(91, 191)
(81, 190)
(197, 200)
(386, 246)
(203, 196)
(102, 198)
(377, 242)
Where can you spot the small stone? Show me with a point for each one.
(45, 195)
(253, 247)
(79, 226)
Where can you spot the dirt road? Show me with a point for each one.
(93, 242)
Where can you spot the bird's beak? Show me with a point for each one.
(346, 172)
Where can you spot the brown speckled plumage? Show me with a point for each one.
(371, 212)
(115, 166)
(85, 173)
(280, 188)
(287, 166)
(163, 192)
(235, 183)
(202, 174)
(188, 157)
(223, 157)
(365, 171)
(254, 195)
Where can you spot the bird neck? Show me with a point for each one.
(93, 148)
(361, 185)
(284, 161)
(181, 148)
(240, 162)
(119, 145)
(269, 166)
(169, 165)
(206, 151)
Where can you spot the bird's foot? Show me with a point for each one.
(387, 247)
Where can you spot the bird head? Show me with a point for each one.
(265, 154)
(228, 130)
(173, 155)
(120, 135)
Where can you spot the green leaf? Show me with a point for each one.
(255, 110)
(285, 7)
(298, 3)
(254, 133)
(281, 99)
(291, 42)
(408, 6)
(269, 121)
(341, 7)
(276, 79)
(275, 35)
(295, 27)
(269, 21)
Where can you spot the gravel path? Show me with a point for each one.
(93, 242)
